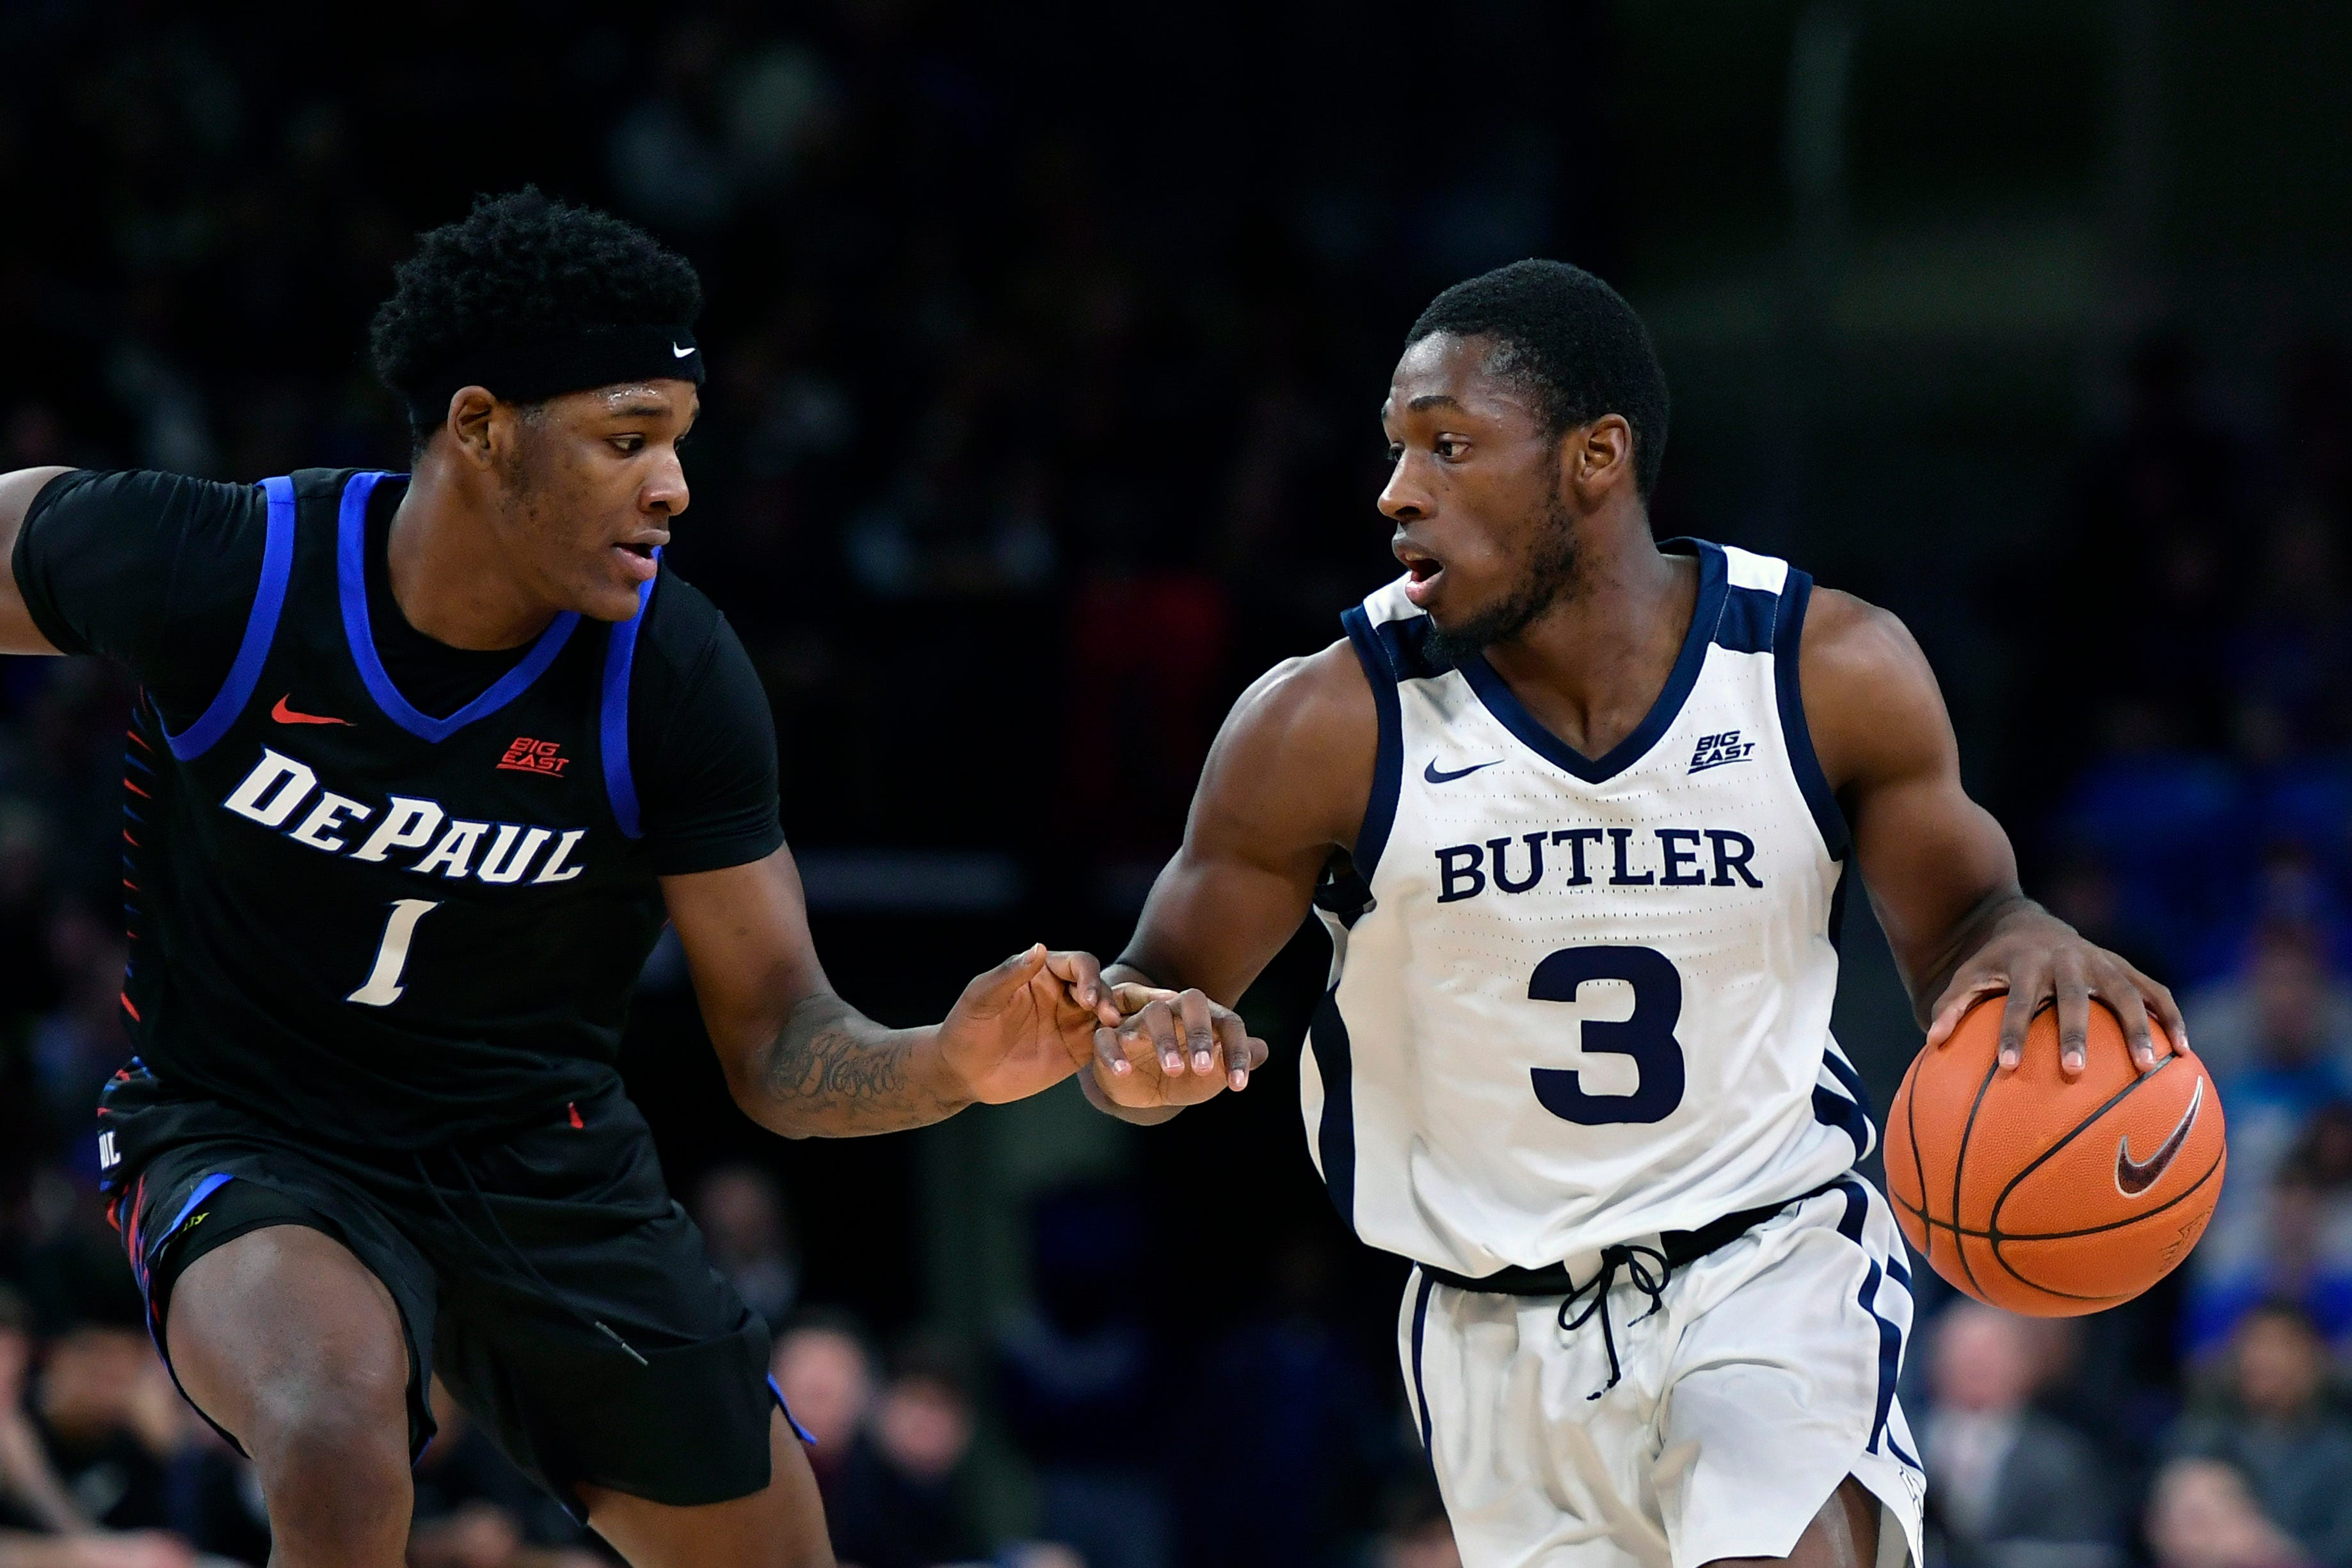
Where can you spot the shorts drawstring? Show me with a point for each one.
(1653, 1286)
(530, 1269)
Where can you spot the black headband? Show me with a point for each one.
(533, 373)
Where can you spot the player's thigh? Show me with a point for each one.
(283, 1332)
(780, 1526)
(1843, 1534)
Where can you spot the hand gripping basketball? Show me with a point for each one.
(2049, 1191)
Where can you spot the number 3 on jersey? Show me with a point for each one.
(1648, 1036)
(383, 987)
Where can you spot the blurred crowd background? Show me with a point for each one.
(1046, 354)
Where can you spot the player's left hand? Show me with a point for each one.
(2036, 957)
(1027, 1024)
(1171, 1049)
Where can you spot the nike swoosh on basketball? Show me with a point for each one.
(678, 352)
(286, 715)
(2134, 1177)
(1436, 775)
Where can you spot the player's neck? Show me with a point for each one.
(451, 577)
(1591, 665)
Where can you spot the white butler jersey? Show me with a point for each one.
(1575, 1001)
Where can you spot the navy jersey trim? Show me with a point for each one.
(620, 658)
(1419, 1339)
(1495, 693)
(1787, 640)
(1335, 1135)
(1857, 1197)
(350, 575)
(260, 629)
(1746, 625)
(1388, 760)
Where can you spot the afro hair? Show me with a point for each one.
(522, 269)
(1570, 341)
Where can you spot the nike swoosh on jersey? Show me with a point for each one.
(286, 715)
(1436, 775)
(2134, 1177)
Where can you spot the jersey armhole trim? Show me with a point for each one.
(1788, 635)
(1388, 759)
(260, 630)
(613, 718)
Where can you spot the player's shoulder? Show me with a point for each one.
(682, 627)
(1320, 702)
(1850, 641)
(149, 492)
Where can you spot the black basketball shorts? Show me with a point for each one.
(547, 1277)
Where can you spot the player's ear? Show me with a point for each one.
(471, 412)
(1597, 456)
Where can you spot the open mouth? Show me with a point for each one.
(638, 561)
(1422, 572)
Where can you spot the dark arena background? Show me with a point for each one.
(1046, 347)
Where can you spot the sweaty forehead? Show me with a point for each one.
(1446, 371)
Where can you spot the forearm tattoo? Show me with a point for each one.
(834, 1073)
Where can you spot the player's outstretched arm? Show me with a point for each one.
(17, 632)
(1286, 784)
(802, 1062)
(1940, 872)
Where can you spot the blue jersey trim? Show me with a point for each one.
(1497, 694)
(1388, 759)
(351, 577)
(620, 657)
(1334, 1134)
(791, 1420)
(260, 629)
(1787, 640)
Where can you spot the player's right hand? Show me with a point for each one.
(1172, 1049)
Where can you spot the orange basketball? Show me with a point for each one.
(2045, 1196)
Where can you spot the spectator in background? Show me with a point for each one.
(2283, 993)
(2274, 1078)
(741, 1211)
(899, 1492)
(2270, 1423)
(826, 1376)
(2202, 1515)
(2007, 1486)
(2307, 1258)
(1078, 1381)
(474, 1510)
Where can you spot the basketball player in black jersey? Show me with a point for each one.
(419, 767)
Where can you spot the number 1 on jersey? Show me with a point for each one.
(383, 987)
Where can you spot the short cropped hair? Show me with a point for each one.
(1571, 341)
(520, 269)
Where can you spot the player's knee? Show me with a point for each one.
(337, 1428)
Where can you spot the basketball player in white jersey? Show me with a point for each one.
(1577, 809)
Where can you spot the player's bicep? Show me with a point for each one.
(1929, 855)
(1288, 780)
(19, 632)
(745, 932)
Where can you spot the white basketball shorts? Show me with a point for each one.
(1765, 1377)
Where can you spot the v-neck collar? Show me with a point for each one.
(350, 573)
(1504, 705)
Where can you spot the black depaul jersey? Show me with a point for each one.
(388, 900)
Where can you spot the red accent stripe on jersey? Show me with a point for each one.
(131, 1010)
(575, 1109)
(142, 745)
(134, 789)
(112, 1205)
(130, 884)
(128, 839)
